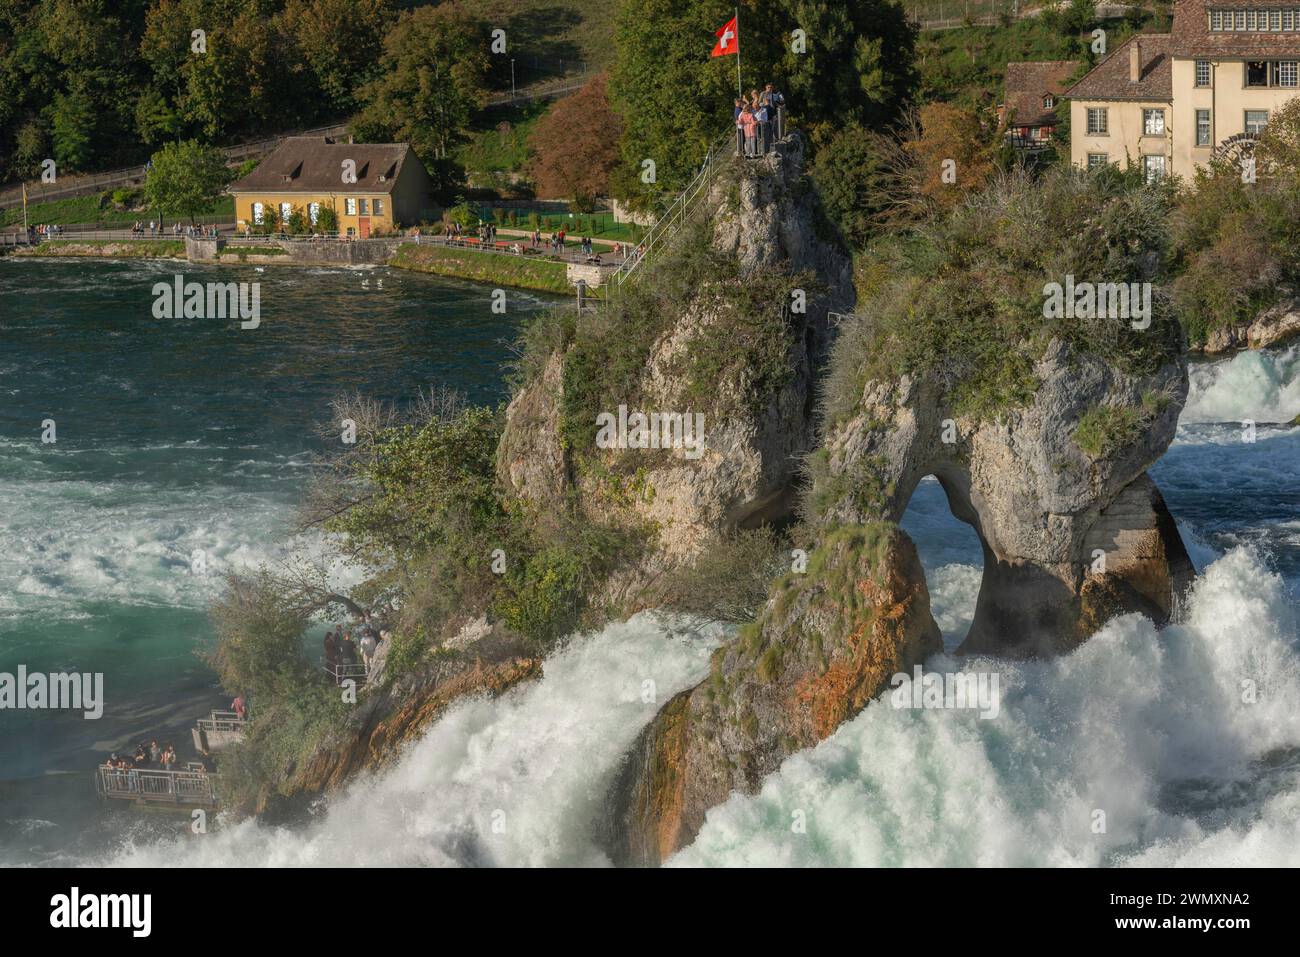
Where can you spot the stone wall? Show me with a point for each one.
(371, 251)
(203, 250)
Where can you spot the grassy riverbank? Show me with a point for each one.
(524, 272)
(108, 248)
(99, 210)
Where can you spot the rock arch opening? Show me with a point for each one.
(951, 552)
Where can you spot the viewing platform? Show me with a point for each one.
(192, 787)
(354, 671)
(217, 731)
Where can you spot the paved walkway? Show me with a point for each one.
(502, 247)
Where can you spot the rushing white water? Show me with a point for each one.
(1146, 746)
(1262, 385)
(515, 781)
(1136, 724)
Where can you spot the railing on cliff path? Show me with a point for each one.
(675, 216)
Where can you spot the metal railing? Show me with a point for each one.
(343, 672)
(261, 239)
(191, 786)
(1030, 143)
(224, 721)
(668, 224)
(572, 252)
(106, 235)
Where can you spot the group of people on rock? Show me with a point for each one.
(350, 646)
(757, 120)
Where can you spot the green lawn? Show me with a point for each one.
(527, 272)
(500, 143)
(98, 210)
(595, 225)
(114, 249)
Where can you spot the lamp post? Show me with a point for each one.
(512, 78)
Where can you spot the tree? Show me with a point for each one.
(248, 58)
(260, 630)
(72, 122)
(1078, 16)
(432, 79)
(327, 221)
(1278, 152)
(31, 146)
(186, 178)
(297, 223)
(676, 100)
(340, 42)
(155, 119)
(575, 146)
(951, 153)
(860, 183)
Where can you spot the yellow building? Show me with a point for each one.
(373, 188)
(1170, 102)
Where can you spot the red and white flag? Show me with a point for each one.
(728, 39)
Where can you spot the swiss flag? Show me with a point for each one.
(728, 39)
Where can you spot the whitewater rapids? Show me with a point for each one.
(1145, 746)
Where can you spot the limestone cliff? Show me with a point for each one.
(1049, 467)
(1073, 530)
(394, 714)
(827, 644)
(1071, 536)
(1275, 326)
(747, 367)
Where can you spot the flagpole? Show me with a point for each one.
(739, 89)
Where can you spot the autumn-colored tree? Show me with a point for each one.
(576, 146)
(951, 153)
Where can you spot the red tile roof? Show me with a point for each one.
(1109, 79)
(1026, 85)
(1193, 37)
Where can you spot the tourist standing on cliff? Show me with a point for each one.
(749, 126)
(775, 101)
(347, 650)
(238, 706)
(764, 118)
(331, 651)
(368, 645)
